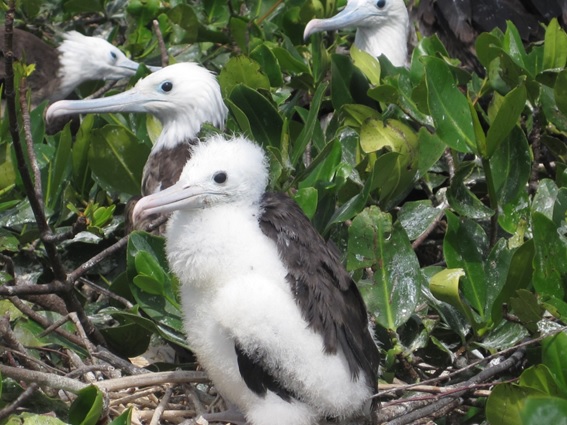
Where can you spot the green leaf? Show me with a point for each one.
(560, 91)
(506, 402)
(462, 199)
(374, 242)
(539, 410)
(185, 24)
(268, 64)
(527, 308)
(416, 217)
(539, 378)
(550, 262)
(555, 46)
(265, 122)
(341, 75)
(449, 107)
(290, 63)
(87, 407)
(554, 356)
(506, 118)
(367, 63)
(445, 287)
(312, 121)
(307, 198)
(512, 161)
(117, 159)
(464, 247)
(60, 168)
(242, 70)
(124, 419)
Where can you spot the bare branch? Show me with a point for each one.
(161, 43)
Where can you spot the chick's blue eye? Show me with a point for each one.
(381, 3)
(220, 177)
(167, 86)
(113, 55)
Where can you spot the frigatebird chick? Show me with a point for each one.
(271, 313)
(182, 97)
(78, 59)
(382, 27)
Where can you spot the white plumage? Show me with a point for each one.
(382, 27)
(182, 96)
(239, 307)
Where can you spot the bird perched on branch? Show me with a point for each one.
(78, 58)
(382, 27)
(182, 97)
(270, 312)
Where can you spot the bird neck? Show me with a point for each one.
(210, 246)
(389, 39)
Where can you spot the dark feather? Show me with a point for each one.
(327, 296)
(258, 378)
(459, 22)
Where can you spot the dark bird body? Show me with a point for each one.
(269, 310)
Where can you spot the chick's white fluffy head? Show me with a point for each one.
(227, 170)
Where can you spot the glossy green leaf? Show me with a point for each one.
(539, 410)
(87, 407)
(416, 217)
(307, 199)
(341, 75)
(462, 199)
(124, 419)
(242, 70)
(487, 47)
(526, 307)
(288, 62)
(511, 165)
(430, 150)
(117, 159)
(519, 277)
(506, 402)
(449, 107)
(539, 378)
(560, 91)
(465, 246)
(554, 356)
(59, 169)
(312, 121)
(513, 45)
(268, 64)
(374, 241)
(555, 46)
(185, 24)
(265, 122)
(368, 64)
(506, 118)
(445, 286)
(550, 262)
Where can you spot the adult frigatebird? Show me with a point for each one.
(78, 58)
(182, 97)
(270, 312)
(382, 27)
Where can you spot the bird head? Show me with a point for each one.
(182, 96)
(86, 58)
(359, 14)
(220, 171)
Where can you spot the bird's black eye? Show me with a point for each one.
(167, 86)
(220, 177)
(381, 3)
(113, 55)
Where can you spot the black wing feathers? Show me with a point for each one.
(327, 296)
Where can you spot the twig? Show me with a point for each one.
(154, 378)
(22, 290)
(29, 312)
(107, 86)
(161, 406)
(78, 226)
(269, 12)
(11, 408)
(106, 292)
(118, 362)
(429, 229)
(12, 341)
(29, 143)
(161, 43)
(131, 397)
(44, 379)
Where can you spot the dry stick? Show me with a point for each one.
(44, 379)
(29, 312)
(154, 378)
(429, 229)
(8, 410)
(161, 43)
(102, 90)
(161, 407)
(432, 408)
(71, 302)
(12, 341)
(106, 292)
(77, 227)
(29, 143)
(118, 362)
(48, 288)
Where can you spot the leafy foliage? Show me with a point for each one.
(446, 190)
